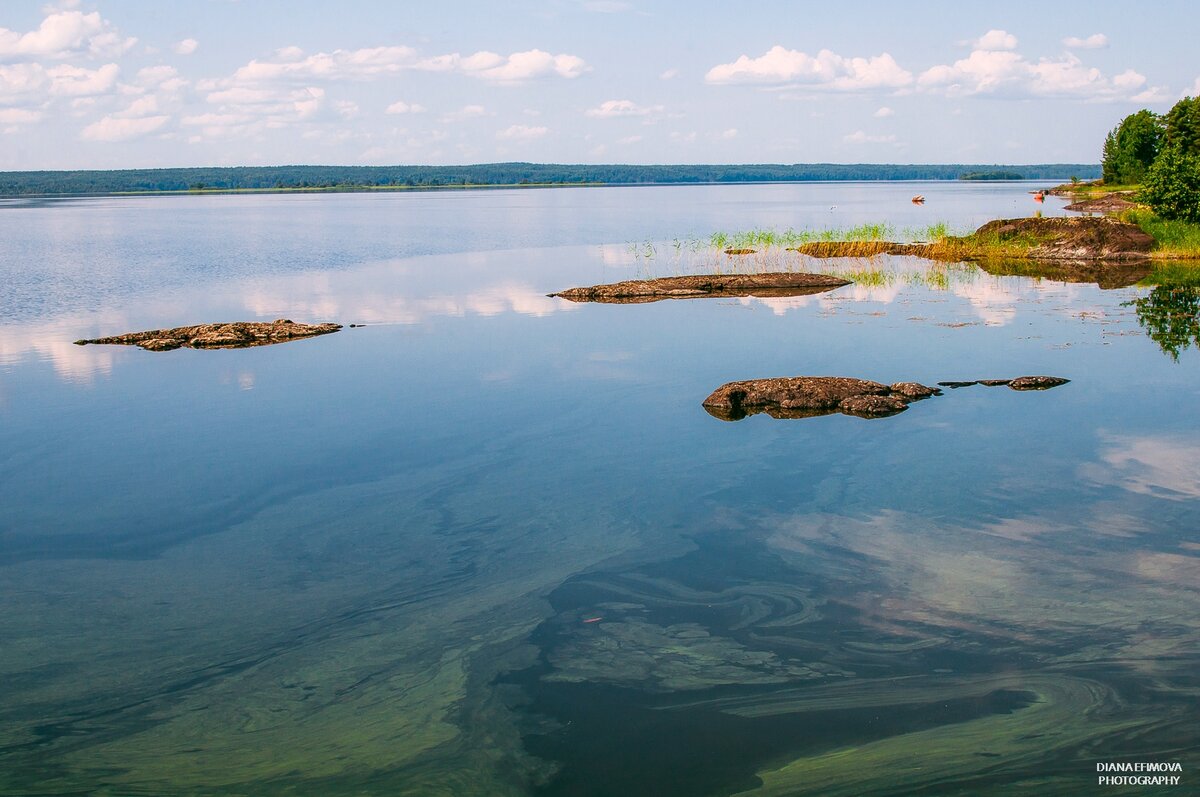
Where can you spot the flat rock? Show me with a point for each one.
(1037, 382)
(705, 285)
(1110, 203)
(810, 396)
(1078, 238)
(233, 335)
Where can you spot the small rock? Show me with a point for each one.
(915, 390)
(956, 385)
(1037, 382)
(872, 406)
(809, 396)
(994, 382)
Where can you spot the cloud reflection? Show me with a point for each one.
(1163, 467)
(51, 342)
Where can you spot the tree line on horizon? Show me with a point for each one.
(1161, 153)
(24, 183)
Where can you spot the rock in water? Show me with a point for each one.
(1037, 382)
(1078, 238)
(705, 285)
(809, 396)
(234, 335)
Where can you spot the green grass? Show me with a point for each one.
(1171, 238)
(1094, 188)
(867, 277)
(765, 238)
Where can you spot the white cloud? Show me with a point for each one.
(153, 75)
(75, 81)
(186, 47)
(883, 113)
(629, 140)
(465, 112)
(1093, 42)
(142, 106)
(683, 138)
(205, 119)
(21, 79)
(19, 116)
(1009, 74)
(1153, 95)
(162, 78)
(346, 109)
(669, 74)
(729, 134)
(996, 40)
(612, 108)
(861, 137)
(521, 133)
(403, 107)
(826, 70)
(1194, 91)
(290, 65)
(243, 111)
(514, 68)
(63, 34)
(337, 65)
(114, 128)
(26, 84)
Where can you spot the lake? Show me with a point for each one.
(491, 543)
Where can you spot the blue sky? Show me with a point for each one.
(125, 83)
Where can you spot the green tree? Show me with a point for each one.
(1172, 186)
(1183, 126)
(1131, 147)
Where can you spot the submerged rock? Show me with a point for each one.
(1037, 382)
(705, 285)
(234, 335)
(809, 396)
(1020, 383)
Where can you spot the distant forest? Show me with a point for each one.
(349, 178)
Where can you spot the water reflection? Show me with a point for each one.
(497, 548)
(1171, 317)
(1167, 468)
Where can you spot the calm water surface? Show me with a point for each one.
(492, 544)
